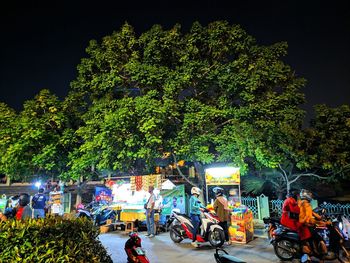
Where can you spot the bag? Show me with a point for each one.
(293, 215)
(145, 206)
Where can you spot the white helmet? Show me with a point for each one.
(195, 190)
(305, 195)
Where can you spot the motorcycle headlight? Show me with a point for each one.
(340, 225)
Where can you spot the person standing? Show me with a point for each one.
(222, 210)
(39, 203)
(195, 211)
(23, 208)
(150, 212)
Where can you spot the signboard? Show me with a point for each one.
(3, 202)
(174, 198)
(103, 194)
(222, 176)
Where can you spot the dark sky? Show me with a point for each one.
(42, 42)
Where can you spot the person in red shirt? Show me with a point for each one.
(291, 211)
(23, 209)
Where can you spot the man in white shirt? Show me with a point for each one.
(150, 213)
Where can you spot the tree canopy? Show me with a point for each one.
(212, 94)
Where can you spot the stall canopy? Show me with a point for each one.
(168, 185)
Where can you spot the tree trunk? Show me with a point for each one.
(8, 180)
(79, 192)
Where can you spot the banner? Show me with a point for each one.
(103, 194)
(174, 198)
(222, 176)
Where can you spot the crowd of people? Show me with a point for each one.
(26, 207)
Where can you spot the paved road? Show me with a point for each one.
(161, 249)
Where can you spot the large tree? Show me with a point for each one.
(39, 139)
(320, 151)
(210, 94)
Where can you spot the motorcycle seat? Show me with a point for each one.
(289, 230)
(230, 259)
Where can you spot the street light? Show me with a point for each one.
(38, 184)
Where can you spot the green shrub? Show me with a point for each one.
(51, 240)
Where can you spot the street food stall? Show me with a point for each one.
(130, 194)
(241, 228)
(56, 201)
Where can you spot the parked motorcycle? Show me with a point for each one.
(287, 245)
(180, 226)
(99, 214)
(133, 249)
(221, 256)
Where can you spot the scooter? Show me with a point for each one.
(221, 256)
(287, 245)
(97, 213)
(180, 226)
(133, 249)
(102, 214)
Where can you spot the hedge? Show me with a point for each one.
(51, 240)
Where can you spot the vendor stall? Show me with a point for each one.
(241, 228)
(129, 197)
(56, 202)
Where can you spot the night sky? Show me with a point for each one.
(42, 42)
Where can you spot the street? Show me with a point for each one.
(161, 249)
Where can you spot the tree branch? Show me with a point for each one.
(180, 173)
(285, 176)
(307, 174)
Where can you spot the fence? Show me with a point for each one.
(262, 207)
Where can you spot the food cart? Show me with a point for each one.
(241, 228)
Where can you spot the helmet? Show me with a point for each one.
(218, 191)
(133, 235)
(24, 199)
(136, 240)
(305, 195)
(195, 190)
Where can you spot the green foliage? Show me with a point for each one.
(51, 240)
(219, 97)
(327, 141)
(37, 140)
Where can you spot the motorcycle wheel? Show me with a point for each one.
(216, 237)
(285, 249)
(344, 255)
(173, 234)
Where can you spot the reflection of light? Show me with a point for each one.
(38, 184)
(221, 171)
